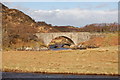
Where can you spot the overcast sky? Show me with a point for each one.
(69, 13)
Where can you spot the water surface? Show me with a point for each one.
(40, 75)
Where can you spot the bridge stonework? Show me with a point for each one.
(76, 37)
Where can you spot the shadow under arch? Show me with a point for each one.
(69, 39)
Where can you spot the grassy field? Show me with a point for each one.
(102, 60)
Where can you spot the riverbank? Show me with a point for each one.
(102, 61)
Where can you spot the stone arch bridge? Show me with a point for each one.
(75, 37)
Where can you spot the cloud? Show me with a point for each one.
(74, 17)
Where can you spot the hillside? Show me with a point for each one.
(46, 28)
(110, 39)
(67, 28)
(98, 27)
(101, 27)
(19, 29)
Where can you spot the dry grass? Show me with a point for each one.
(110, 39)
(92, 61)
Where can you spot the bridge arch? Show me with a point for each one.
(66, 37)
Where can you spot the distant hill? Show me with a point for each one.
(67, 28)
(103, 27)
(98, 27)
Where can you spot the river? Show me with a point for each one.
(40, 75)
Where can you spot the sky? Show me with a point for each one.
(76, 14)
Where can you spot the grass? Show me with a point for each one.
(92, 61)
(110, 39)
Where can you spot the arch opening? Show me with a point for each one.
(61, 42)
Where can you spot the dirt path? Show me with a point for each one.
(91, 61)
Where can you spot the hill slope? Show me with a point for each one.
(102, 27)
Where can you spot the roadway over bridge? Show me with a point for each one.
(75, 37)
